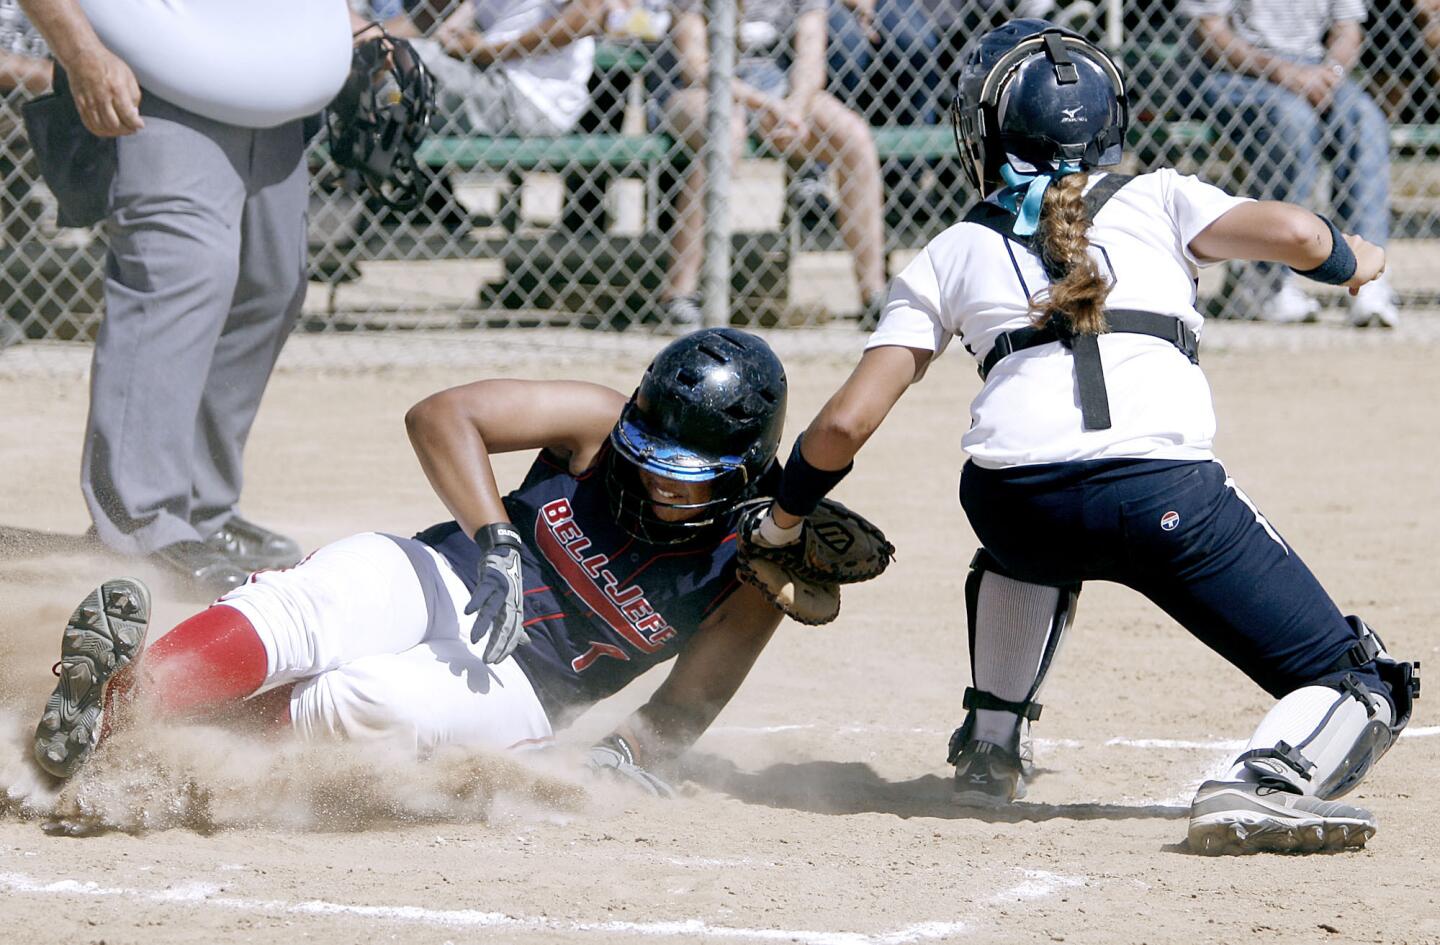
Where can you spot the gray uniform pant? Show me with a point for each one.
(204, 280)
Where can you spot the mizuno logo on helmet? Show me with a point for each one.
(1071, 114)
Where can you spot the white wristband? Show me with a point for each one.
(775, 536)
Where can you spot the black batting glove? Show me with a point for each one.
(498, 601)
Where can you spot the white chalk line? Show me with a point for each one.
(1035, 884)
(1224, 744)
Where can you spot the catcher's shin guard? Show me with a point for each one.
(1321, 739)
(1015, 629)
(1314, 745)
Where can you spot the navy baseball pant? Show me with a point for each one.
(1183, 535)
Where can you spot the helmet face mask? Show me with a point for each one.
(1037, 97)
(707, 418)
(379, 118)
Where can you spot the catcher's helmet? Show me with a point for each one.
(710, 409)
(1036, 96)
(382, 113)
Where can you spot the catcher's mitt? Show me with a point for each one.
(836, 546)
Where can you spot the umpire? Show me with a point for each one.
(197, 105)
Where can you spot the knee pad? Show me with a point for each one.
(1033, 624)
(1323, 738)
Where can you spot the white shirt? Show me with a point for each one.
(1292, 28)
(964, 284)
(558, 82)
(252, 63)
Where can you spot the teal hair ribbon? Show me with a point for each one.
(1027, 208)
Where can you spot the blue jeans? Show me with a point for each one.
(896, 82)
(1284, 140)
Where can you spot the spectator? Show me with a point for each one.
(1402, 59)
(24, 71)
(205, 272)
(507, 67)
(780, 99)
(882, 60)
(1281, 86)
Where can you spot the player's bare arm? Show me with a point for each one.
(106, 93)
(455, 432)
(1286, 233)
(707, 673)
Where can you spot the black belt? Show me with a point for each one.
(1089, 374)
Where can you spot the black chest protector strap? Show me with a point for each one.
(1089, 372)
(1089, 375)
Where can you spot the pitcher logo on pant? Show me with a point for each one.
(627, 611)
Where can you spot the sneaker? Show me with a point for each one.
(254, 547)
(1289, 306)
(681, 314)
(1236, 817)
(987, 775)
(101, 643)
(10, 333)
(1375, 304)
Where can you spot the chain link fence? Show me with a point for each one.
(564, 180)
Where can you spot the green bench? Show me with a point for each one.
(627, 155)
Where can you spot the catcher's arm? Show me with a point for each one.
(828, 446)
(708, 671)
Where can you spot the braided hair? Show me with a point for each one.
(1075, 299)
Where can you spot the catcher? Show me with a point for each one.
(1090, 441)
(496, 628)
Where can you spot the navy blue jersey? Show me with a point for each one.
(601, 607)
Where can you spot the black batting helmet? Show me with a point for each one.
(1036, 96)
(382, 113)
(710, 408)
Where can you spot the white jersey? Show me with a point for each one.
(557, 83)
(256, 64)
(972, 283)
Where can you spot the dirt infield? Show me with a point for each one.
(817, 810)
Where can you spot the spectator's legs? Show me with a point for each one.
(174, 248)
(1428, 14)
(267, 301)
(907, 75)
(849, 55)
(685, 115)
(1360, 136)
(1280, 137)
(468, 100)
(841, 138)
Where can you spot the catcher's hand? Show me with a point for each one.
(835, 546)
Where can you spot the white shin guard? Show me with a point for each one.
(1318, 741)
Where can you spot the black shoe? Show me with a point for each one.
(987, 775)
(205, 568)
(253, 547)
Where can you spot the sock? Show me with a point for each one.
(211, 661)
(1015, 620)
